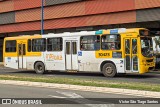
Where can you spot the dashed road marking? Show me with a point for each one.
(83, 100)
(56, 96)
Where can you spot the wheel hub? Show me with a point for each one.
(40, 68)
(109, 70)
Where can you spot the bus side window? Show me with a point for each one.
(134, 46)
(29, 45)
(90, 43)
(54, 44)
(74, 48)
(111, 42)
(68, 47)
(21, 49)
(39, 45)
(10, 46)
(24, 49)
(127, 46)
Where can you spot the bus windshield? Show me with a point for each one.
(146, 47)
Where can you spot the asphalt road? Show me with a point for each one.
(152, 77)
(13, 91)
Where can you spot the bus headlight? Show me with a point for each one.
(117, 55)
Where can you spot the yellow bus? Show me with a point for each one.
(113, 51)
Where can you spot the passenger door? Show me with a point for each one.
(21, 54)
(131, 54)
(71, 55)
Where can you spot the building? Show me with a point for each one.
(22, 17)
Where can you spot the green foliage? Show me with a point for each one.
(85, 82)
(157, 41)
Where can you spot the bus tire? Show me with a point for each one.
(39, 68)
(109, 70)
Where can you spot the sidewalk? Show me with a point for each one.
(84, 88)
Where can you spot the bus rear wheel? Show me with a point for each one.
(39, 68)
(109, 70)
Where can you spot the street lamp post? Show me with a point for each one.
(42, 17)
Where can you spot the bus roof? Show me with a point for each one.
(65, 34)
(70, 34)
(23, 37)
(119, 30)
(82, 33)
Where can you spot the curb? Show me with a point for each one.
(84, 88)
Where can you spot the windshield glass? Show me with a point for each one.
(146, 47)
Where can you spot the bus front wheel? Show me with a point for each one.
(39, 68)
(109, 70)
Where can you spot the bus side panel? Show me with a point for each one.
(87, 61)
(30, 63)
(119, 64)
(33, 58)
(54, 60)
(11, 62)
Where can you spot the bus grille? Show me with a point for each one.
(149, 60)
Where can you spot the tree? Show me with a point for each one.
(157, 42)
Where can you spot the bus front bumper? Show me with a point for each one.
(147, 67)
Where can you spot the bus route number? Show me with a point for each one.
(104, 54)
